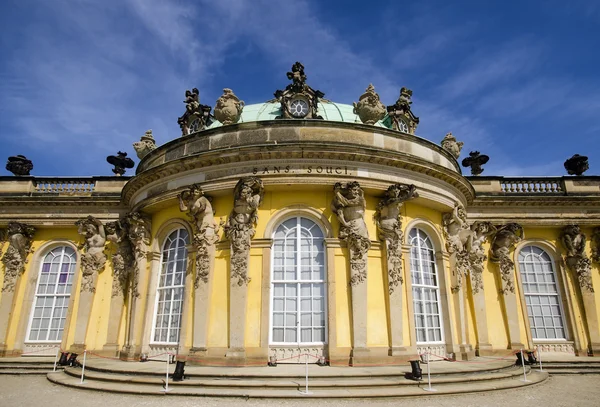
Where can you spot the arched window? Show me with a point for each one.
(52, 293)
(298, 283)
(541, 294)
(171, 282)
(426, 290)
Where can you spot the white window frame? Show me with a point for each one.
(173, 287)
(531, 318)
(66, 296)
(298, 283)
(421, 234)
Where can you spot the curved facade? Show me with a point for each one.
(272, 236)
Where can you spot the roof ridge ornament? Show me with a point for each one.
(197, 116)
(403, 119)
(298, 100)
(369, 107)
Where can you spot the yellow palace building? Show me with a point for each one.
(299, 226)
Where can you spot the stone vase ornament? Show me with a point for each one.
(577, 165)
(228, 109)
(145, 145)
(450, 144)
(19, 165)
(369, 107)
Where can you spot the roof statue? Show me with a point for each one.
(369, 107)
(450, 144)
(196, 116)
(577, 165)
(402, 118)
(145, 145)
(298, 100)
(228, 109)
(19, 165)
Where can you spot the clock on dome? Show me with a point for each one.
(299, 107)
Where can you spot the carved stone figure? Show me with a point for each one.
(369, 107)
(19, 236)
(574, 242)
(450, 144)
(298, 100)
(197, 116)
(389, 225)
(138, 234)
(475, 161)
(199, 208)
(145, 145)
(19, 165)
(122, 258)
(121, 163)
(458, 236)
(477, 256)
(505, 239)
(239, 228)
(577, 165)
(401, 115)
(349, 206)
(228, 109)
(596, 245)
(92, 258)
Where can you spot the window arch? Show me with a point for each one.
(298, 283)
(52, 294)
(544, 309)
(426, 288)
(170, 289)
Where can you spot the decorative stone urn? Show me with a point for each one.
(228, 108)
(145, 145)
(450, 144)
(19, 165)
(577, 165)
(369, 108)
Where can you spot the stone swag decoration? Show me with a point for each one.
(92, 258)
(505, 239)
(196, 117)
(389, 226)
(145, 145)
(595, 247)
(574, 242)
(228, 109)
(239, 228)
(369, 107)
(349, 205)
(401, 116)
(450, 144)
(122, 258)
(298, 100)
(199, 209)
(19, 237)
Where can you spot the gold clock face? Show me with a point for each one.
(299, 108)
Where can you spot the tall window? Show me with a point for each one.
(169, 298)
(541, 294)
(426, 291)
(52, 294)
(298, 283)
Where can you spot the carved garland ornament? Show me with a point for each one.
(389, 225)
(200, 210)
(19, 236)
(504, 241)
(239, 228)
(349, 206)
(574, 242)
(92, 257)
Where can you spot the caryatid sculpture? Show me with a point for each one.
(458, 237)
(199, 208)
(596, 245)
(93, 258)
(574, 242)
(239, 228)
(19, 236)
(138, 228)
(505, 239)
(122, 258)
(389, 226)
(477, 256)
(349, 206)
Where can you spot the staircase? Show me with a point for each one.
(567, 367)
(27, 366)
(289, 382)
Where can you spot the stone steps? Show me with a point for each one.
(569, 367)
(293, 387)
(26, 366)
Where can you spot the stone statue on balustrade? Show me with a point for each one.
(389, 226)
(349, 206)
(574, 241)
(92, 258)
(504, 241)
(19, 237)
(239, 228)
(199, 208)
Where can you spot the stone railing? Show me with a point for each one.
(536, 186)
(64, 185)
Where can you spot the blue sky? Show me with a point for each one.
(517, 80)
